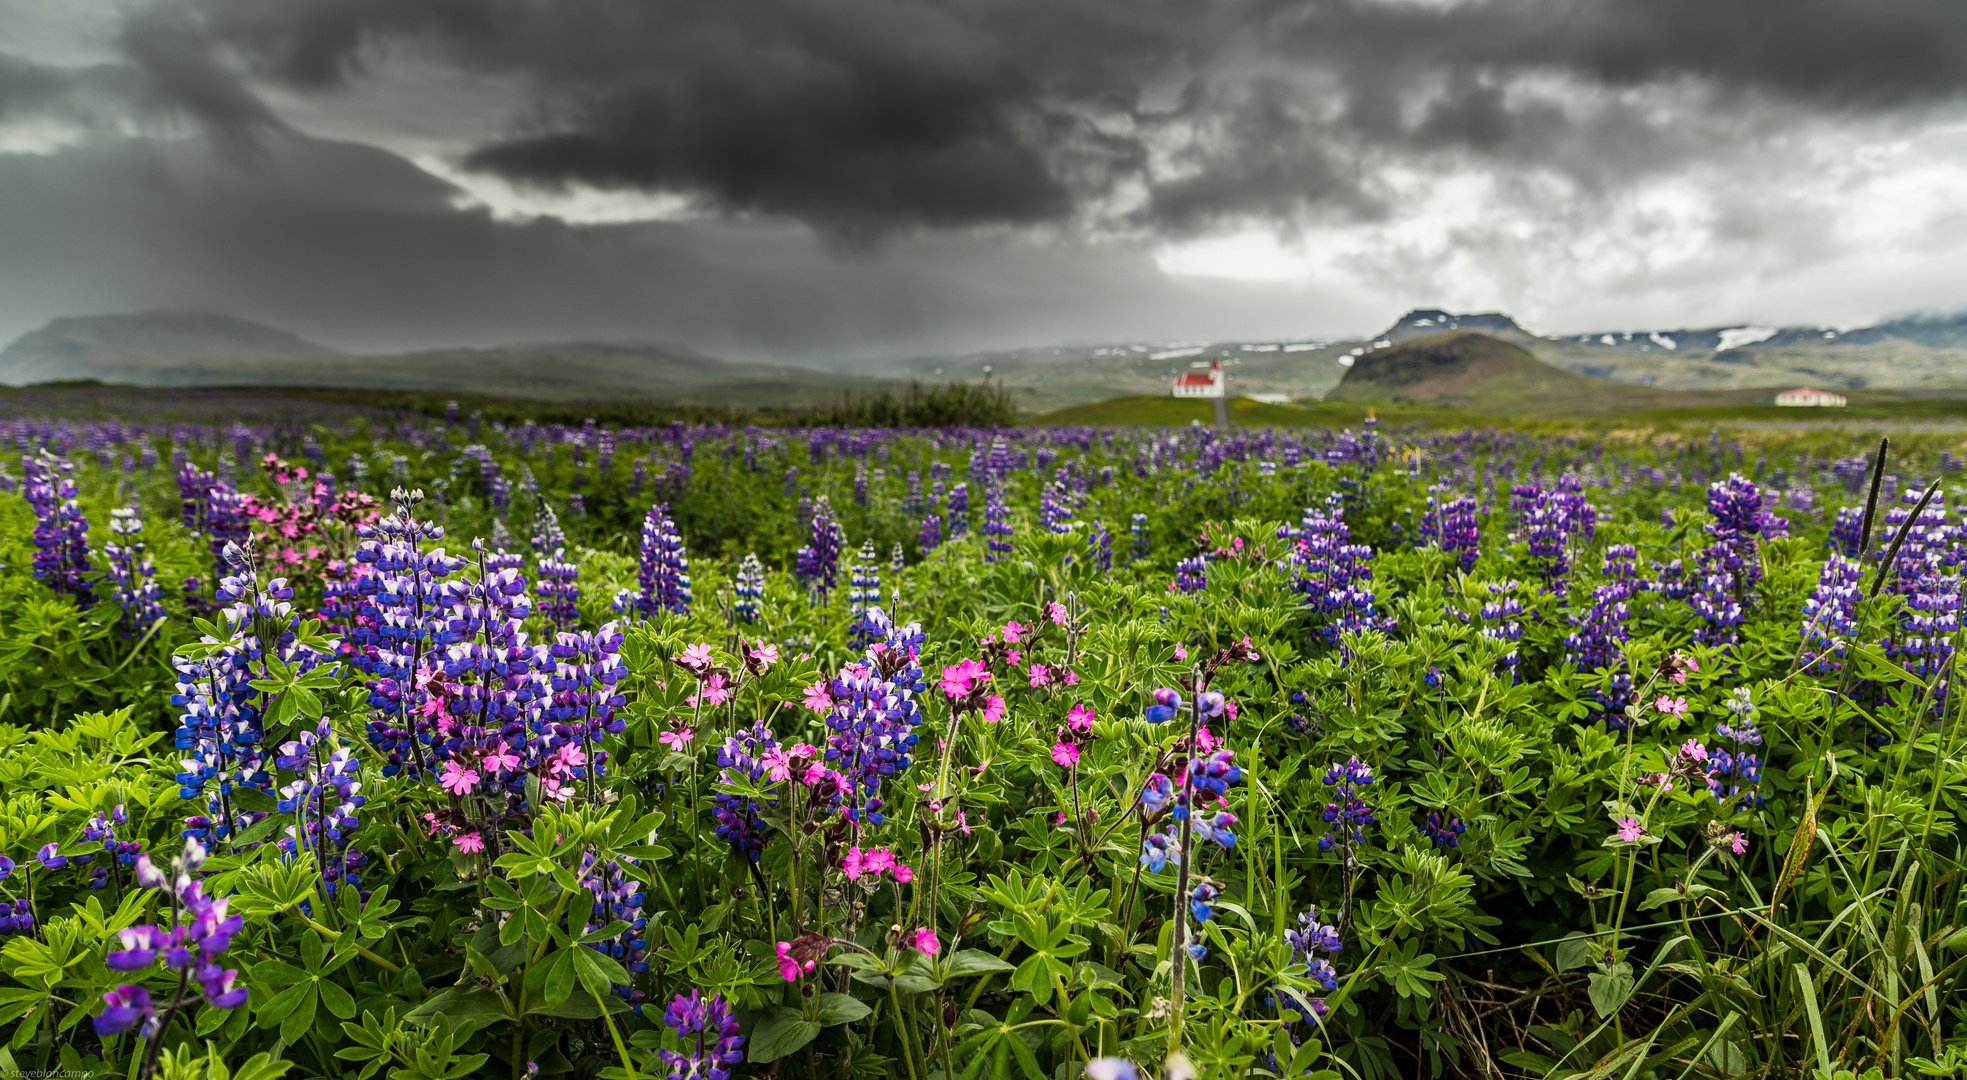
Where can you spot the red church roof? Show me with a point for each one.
(1199, 378)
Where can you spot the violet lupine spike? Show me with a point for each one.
(1599, 632)
(996, 524)
(1332, 574)
(1450, 525)
(863, 590)
(61, 532)
(221, 733)
(132, 576)
(1191, 575)
(872, 711)
(1350, 816)
(192, 942)
(1734, 771)
(959, 511)
(817, 564)
(325, 797)
(709, 1030)
(1830, 615)
(665, 568)
(407, 601)
(748, 589)
(617, 896)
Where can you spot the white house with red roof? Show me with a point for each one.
(1810, 396)
(1208, 382)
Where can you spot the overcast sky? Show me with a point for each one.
(829, 180)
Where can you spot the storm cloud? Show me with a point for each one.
(1420, 150)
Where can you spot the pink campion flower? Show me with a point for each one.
(695, 657)
(778, 764)
(1630, 829)
(1079, 718)
(963, 822)
(1071, 677)
(1694, 750)
(1181, 653)
(1040, 676)
(470, 843)
(1012, 630)
(765, 655)
(1738, 843)
(853, 865)
(1055, 611)
(1673, 706)
(556, 790)
(1058, 819)
(926, 943)
(1658, 780)
(959, 679)
(457, 779)
(1205, 740)
(712, 691)
(1015, 656)
(789, 968)
(876, 860)
(1229, 709)
(677, 740)
(903, 875)
(993, 709)
(1066, 754)
(566, 759)
(502, 759)
(819, 697)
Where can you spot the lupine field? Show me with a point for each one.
(434, 749)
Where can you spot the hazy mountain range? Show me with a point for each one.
(202, 349)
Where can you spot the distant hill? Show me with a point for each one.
(1467, 370)
(191, 349)
(128, 348)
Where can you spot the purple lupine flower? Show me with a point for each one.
(1445, 833)
(863, 591)
(665, 569)
(1099, 543)
(1734, 772)
(1332, 573)
(1830, 615)
(214, 509)
(101, 829)
(748, 589)
(1495, 617)
(617, 896)
(1191, 576)
(61, 532)
(1450, 525)
(132, 576)
(1200, 899)
(959, 510)
(325, 797)
(1158, 848)
(1055, 508)
(1350, 816)
(1847, 531)
(409, 600)
(874, 713)
(860, 486)
(737, 816)
(557, 577)
(1597, 635)
(1137, 528)
(198, 933)
(817, 564)
(709, 1031)
(1167, 703)
(996, 524)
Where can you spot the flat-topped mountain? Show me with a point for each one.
(129, 348)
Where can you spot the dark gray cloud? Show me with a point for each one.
(357, 248)
(867, 116)
(976, 171)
